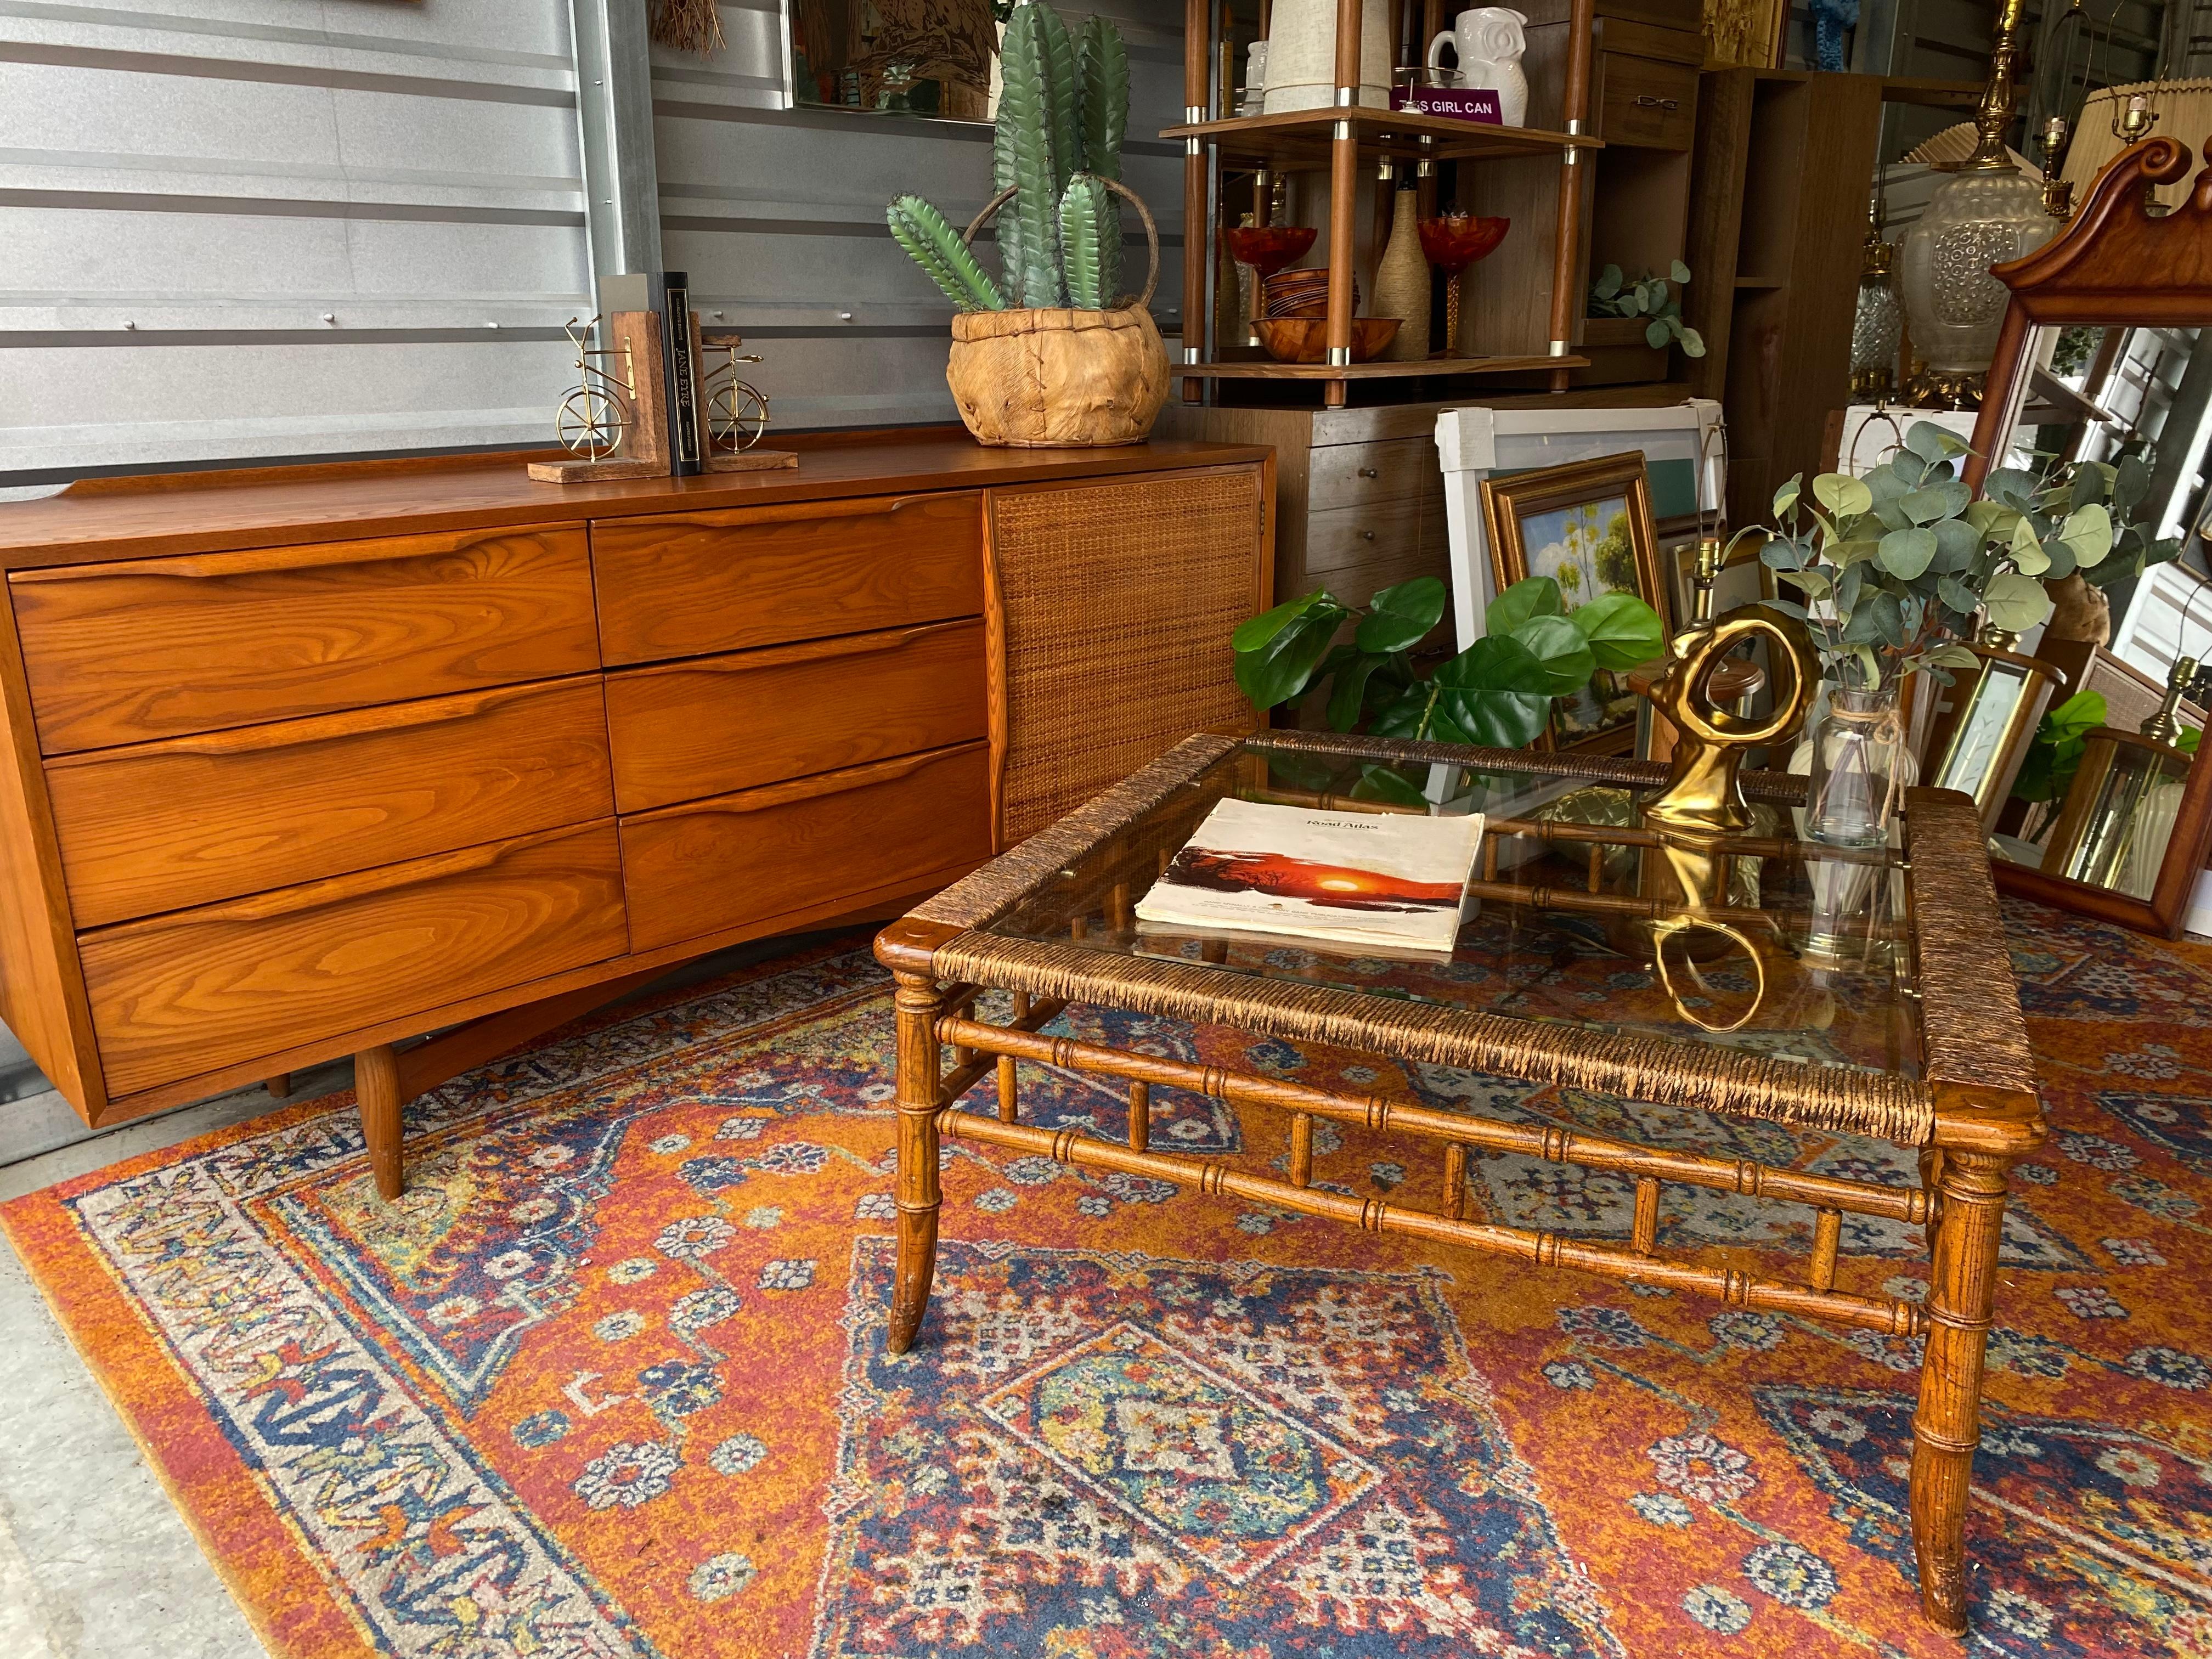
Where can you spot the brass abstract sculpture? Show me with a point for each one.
(1702, 800)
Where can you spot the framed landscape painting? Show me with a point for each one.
(1587, 527)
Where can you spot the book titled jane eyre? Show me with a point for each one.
(1368, 880)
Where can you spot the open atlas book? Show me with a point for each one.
(1383, 881)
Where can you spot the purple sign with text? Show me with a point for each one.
(1460, 103)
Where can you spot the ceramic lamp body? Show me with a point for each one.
(1302, 55)
(1976, 219)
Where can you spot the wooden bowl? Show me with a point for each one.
(1299, 294)
(1305, 339)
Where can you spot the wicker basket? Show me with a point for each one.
(1060, 379)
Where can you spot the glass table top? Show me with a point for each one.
(1577, 915)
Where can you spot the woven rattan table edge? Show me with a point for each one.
(1978, 1064)
(1975, 1054)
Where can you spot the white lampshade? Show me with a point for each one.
(2184, 109)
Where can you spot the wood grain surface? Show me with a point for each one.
(41, 987)
(714, 863)
(271, 507)
(724, 581)
(712, 725)
(190, 820)
(192, 991)
(125, 653)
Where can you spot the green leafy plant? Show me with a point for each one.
(1063, 112)
(1650, 297)
(2055, 751)
(1894, 567)
(1497, 692)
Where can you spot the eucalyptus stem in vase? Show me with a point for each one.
(1895, 568)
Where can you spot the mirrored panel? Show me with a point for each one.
(931, 57)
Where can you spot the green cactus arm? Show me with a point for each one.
(1007, 227)
(1105, 77)
(929, 238)
(1063, 98)
(1104, 72)
(1082, 222)
(1025, 116)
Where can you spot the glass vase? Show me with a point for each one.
(1860, 770)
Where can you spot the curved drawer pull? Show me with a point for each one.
(779, 656)
(326, 728)
(313, 555)
(336, 889)
(1646, 101)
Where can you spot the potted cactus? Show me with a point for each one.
(1051, 354)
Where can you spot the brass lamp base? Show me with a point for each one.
(1946, 388)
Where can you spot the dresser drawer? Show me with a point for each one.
(752, 576)
(1359, 475)
(712, 725)
(158, 647)
(745, 858)
(184, 993)
(1355, 537)
(187, 821)
(1646, 103)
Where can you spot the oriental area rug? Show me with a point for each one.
(610, 1380)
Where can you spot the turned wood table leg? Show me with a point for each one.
(376, 1089)
(1947, 1427)
(918, 1005)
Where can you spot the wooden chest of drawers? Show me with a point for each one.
(303, 762)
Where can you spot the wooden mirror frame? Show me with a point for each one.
(2116, 265)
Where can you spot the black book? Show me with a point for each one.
(667, 294)
(687, 443)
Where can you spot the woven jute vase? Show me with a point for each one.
(1061, 378)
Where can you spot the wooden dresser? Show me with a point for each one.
(302, 761)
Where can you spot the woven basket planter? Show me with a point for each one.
(1060, 379)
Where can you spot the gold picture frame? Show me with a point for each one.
(1587, 524)
(1984, 723)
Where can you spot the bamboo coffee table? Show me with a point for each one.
(1911, 1035)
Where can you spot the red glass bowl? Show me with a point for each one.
(1453, 241)
(1268, 248)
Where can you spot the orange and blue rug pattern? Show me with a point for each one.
(611, 1381)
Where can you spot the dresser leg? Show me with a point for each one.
(279, 1085)
(376, 1088)
(918, 1004)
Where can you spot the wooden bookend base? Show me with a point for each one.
(753, 460)
(593, 471)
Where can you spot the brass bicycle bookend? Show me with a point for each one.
(614, 420)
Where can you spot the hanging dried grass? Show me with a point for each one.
(688, 26)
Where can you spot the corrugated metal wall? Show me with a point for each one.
(241, 228)
(273, 227)
(778, 215)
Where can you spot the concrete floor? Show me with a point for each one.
(95, 1559)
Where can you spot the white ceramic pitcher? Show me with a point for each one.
(1489, 42)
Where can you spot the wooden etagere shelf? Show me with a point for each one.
(1295, 139)
(1342, 139)
(1252, 368)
